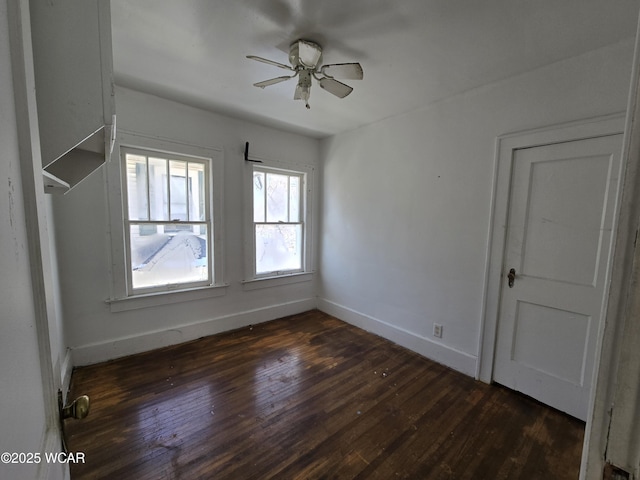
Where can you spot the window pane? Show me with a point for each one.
(278, 248)
(258, 197)
(294, 199)
(178, 192)
(277, 197)
(158, 202)
(137, 187)
(197, 204)
(168, 254)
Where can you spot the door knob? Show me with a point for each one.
(511, 277)
(77, 409)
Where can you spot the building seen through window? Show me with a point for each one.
(167, 224)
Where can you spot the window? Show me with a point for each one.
(165, 217)
(279, 216)
(167, 220)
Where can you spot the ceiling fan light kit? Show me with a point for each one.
(305, 58)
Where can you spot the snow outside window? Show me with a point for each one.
(167, 221)
(278, 221)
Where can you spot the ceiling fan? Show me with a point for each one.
(305, 57)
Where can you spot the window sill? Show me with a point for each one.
(165, 298)
(276, 281)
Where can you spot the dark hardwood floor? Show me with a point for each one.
(309, 397)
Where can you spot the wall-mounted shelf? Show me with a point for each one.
(80, 162)
(53, 184)
(73, 68)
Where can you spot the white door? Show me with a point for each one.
(557, 243)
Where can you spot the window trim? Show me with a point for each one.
(252, 279)
(121, 292)
(302, 178)
(128, 222)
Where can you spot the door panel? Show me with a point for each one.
(533, 347)
(563, 220)
(558, 239)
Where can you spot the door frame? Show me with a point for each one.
(502, 171)
(612, 434)
(37, 231)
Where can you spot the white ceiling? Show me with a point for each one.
(413, 52)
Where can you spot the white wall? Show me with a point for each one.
(406, 202)
(21, 401)
(23, 418)
(95, 333)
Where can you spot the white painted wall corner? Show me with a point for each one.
(445, 355)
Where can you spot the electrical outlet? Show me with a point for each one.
(437, 330)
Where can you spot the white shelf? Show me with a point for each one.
(73, 68)
(53, 184)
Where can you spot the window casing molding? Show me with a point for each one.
(306, 173)
(122, 295)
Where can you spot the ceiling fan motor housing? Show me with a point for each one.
(298, 62)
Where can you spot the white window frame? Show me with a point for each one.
(123, 297)
(306, 174)
(128, 222)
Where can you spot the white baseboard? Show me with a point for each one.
(450, 357)
(121, 347)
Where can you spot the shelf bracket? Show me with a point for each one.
(246, 154)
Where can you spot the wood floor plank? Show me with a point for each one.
(309, 397)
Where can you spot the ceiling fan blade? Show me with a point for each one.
(272, 81)
(270, 62)
(350, 71)
(339, 89)
(309, 54)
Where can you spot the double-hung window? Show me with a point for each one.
(167, 221)
(279, 216)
